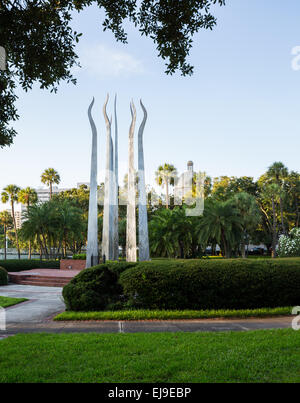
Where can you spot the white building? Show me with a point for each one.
(19, 210)
(44, 193)
(183, 184)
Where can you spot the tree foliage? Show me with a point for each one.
(55, 226)
(40, 42)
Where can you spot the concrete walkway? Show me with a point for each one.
(211, 325)
(45, 302)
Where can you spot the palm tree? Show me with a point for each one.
(172, 233)
(249, 214)
(56, 225)
(70, 222)
(279, 172)
(10, 194)
(50, 176)
(6, 221)
(161, 234)
(28, 196)
(122, 235)
(165, 176)
(293, 190)
(222, 223)
(39, 224)
(273, 192)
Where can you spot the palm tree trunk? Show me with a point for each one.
(167, 194)
(29, 249)
(281, 214)
(5, 242)
(213, 249)
(50, 190)
(45, 246)
(65, 247)
(15, 227)
(297, 212)
(243, 249)
(274, 230)
(225, 248)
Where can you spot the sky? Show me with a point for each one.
(235, 116)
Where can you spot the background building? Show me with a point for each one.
(183, 184)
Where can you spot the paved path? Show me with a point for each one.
(45, 302)
(151, 326)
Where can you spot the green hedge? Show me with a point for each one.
(96, 288)
(3, 276)
(79, 256)
(192, 284)
(213, 284)
(14, 265)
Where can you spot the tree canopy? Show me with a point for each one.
(40, 42)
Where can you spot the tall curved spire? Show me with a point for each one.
(131, 218)
(92, 257)
(143, 219)
(116, 189)
(107, 236)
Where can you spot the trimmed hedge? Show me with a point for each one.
(213, 284)
(192, 284)
(96, 288)
(3, 276)
(147, 314)
(14, 265)
(79, 256)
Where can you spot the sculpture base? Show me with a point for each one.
(94, 261)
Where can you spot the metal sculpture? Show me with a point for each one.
(92, 255)
(143, 218)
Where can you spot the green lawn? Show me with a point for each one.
(258, 356)
(165, 315)
(7, 301)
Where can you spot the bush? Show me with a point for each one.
(119, 267)
(79, 256)
(213, 284)
(3, 276)
(289, 246)
(96, 288)
(14, 265)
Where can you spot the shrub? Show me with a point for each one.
(119, 267)
(14, 265)
(96, 288)
(213, 284)
(289, 246)
(3, 276)
(79, 256)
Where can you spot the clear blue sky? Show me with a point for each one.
(237, 115)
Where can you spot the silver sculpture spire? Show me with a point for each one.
(131, 218)
(116, 190)
(92, 256)
(143, 220)
(107, 236)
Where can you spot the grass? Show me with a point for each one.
(256, 356)
(7, 301)
(165, 315)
